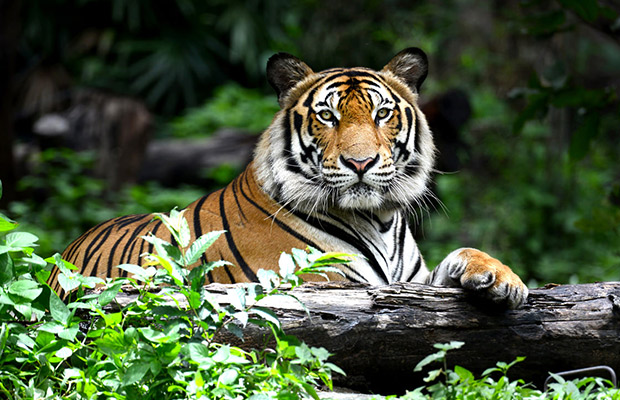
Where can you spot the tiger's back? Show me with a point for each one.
(231, 209)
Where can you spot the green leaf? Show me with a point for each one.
(60, 312)
(52, 327)
(135, 373)
(268, 279)
(70, 333)
(198, 274)
(432, 375)
(453, 345)
(24, 341)
(198, 352)
(200, 245)
(131, 335)
(429, 359)
(254, 291)
(586, 9)
(138, 272)
(25, 310)
(331, 258)
(113, 319)
(157, 336)
(4, 335)
(260, 396)
(177, 225)
(111, 343)
(235, 330)
(320, 352)
(310, 390)
(161, 246)
(266, 314)
(110, 293)
(162, 259)
(64, 266)
(301, 258)
(222, 354)
(287, 265)
(587, 130)
(303, 353)
(34, 259)
(6, 224)
(242, 317)
(20, 240)
(64, 352)
(237, 297)
(68, 282)
(7, 269)
(26, 289)
(193, 298)
(228, 377)
(335, 368)
(184, 233)
(464, 374)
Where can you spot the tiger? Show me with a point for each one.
(342, 167)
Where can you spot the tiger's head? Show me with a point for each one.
(347, 138)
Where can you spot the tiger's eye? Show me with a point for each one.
(326, 115)
(383, 112)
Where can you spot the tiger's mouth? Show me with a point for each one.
(360, 196)
(360, 189)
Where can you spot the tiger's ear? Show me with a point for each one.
(284, 71)
(411, 66)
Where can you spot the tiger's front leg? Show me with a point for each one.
(475, 270)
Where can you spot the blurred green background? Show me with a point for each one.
(534, 177)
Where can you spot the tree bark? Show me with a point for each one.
(379, 334)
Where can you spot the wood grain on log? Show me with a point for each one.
(379, 334)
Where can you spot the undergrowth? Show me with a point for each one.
(162, 345)
(167, 342)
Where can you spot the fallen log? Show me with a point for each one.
(379, 334)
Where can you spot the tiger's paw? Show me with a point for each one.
(479, 272)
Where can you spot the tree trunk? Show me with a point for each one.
(379, 334)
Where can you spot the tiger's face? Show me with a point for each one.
(350, 139)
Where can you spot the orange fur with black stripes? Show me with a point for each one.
(241, 209)
(341, 168)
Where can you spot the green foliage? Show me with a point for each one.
(540, 197)
(231, 106)
(556, 86)
(530, 205)
(170, 54)
(61, 200)
(163, 344)
(460, 384)
(552, 89)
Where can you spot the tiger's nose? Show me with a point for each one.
(359, 166)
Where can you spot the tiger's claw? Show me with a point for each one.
(477, 271)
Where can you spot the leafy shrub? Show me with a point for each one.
(164, 344)
(548, 216)
(461, 384)
(154, 346)
(61, 200)
(231, 106)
